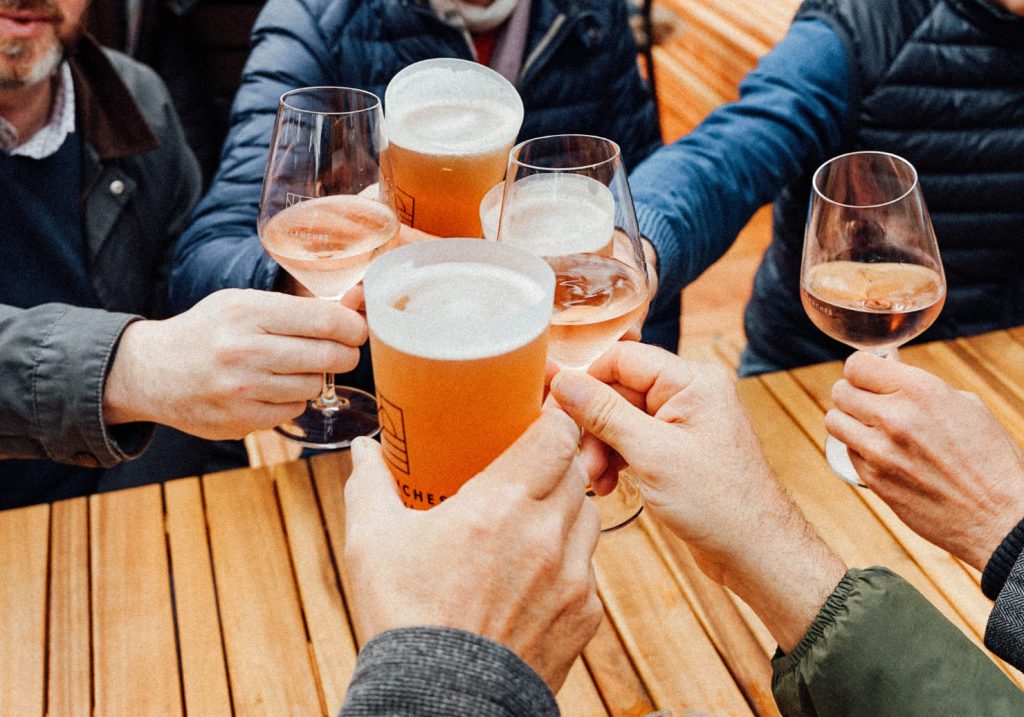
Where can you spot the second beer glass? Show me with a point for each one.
(458, 330)
(451, 124)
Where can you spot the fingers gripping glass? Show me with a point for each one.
(326, 211)
(871, 276)
(566, 199)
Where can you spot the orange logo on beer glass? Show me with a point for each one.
(392, 434)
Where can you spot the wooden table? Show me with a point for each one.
(222, 595)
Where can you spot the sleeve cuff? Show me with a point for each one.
(1002, 561)
(434, 671)
(72, 365)
(658, 230)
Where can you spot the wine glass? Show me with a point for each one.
(566, 199)
(326, 211)
(871, 276)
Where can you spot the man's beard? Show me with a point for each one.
(26, 62)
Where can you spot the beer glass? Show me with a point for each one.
(871, 276)
(451, 124)
(458, 332)
(566, 199)
(326, 211)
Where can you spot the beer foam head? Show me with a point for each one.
(558, 213)
(450, 106)
(458, 303)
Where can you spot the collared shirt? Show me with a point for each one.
(50, 138)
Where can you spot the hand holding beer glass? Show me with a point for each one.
(326, 211)
(566, 199)
(458, 331)
(451, 124)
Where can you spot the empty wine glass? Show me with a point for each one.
(871, 276)
(566, 199)
(326, 211)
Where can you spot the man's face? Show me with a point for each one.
(33, 35)
(1014, 6)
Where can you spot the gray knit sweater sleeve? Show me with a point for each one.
(1004, 634)
(440, 672)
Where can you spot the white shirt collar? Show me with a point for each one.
(50, 138)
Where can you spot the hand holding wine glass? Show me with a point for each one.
(871, 275)
(327, 210)
(567, 200)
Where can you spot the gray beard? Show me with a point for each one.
(42, 69)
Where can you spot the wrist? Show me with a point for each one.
(785, 574)
(124, 398)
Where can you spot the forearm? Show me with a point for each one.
(693, 197)
(434, 671)
(786, 572)
(55, 361)
(878, 648)
(1003, 581)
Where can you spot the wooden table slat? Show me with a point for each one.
(333, 647)
(69, 691)
(24, 537)
(135, 660)
(330, 471)
(614, 675)
(264, 635)
(578, 696)
(1002, 357)
(203, 670)
(675, 658)
(746, 659)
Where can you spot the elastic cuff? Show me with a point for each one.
(435, 670)
(834, 605)
(1002, 561)
(658, 231)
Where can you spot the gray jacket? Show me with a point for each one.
(876, 648)
(139, 185)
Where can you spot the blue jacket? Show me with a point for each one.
(579, 75)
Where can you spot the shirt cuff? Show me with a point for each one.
(435, 670)
(1002, 561)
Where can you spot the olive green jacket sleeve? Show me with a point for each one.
(878, 648)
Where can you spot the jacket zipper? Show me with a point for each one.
(545, 48)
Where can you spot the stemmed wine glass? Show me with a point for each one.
(871, 276)
(326, 211)
(566, 199)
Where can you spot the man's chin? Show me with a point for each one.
(22, 67)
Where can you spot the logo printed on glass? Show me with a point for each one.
(406, 204)
(291, 199)
(392, 434)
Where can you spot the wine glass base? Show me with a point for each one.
(337, 427)
(839, 460)
(620, 507)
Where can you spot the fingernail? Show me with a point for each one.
(571, 388)
(360, 450)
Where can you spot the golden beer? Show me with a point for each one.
(451, 124)
(458, 333)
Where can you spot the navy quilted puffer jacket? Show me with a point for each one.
(579, 75)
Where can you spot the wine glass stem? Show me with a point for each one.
(328, 397)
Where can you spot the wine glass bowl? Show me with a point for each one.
(566, 198)
(871, 276)
(327, 210)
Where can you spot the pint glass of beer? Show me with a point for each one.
(458, 331)
(451, 124)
